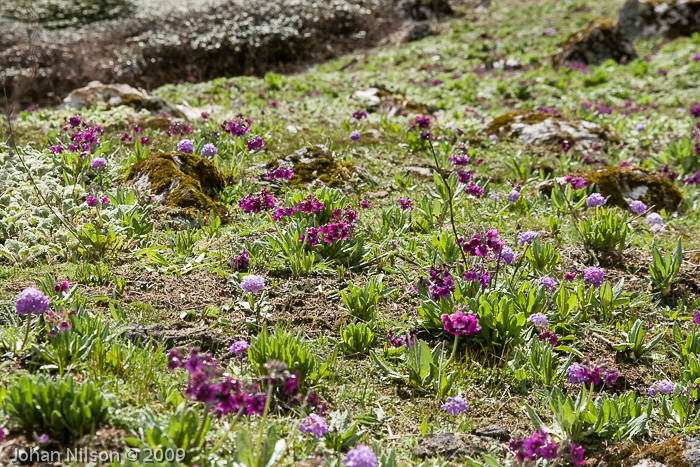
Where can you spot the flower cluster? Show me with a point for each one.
(83, 137)
(591, 374)
(177, 128)
(539, 320)
(405, 203)
(441, 283)
(312, 205)
(240, 262)
(98, 163)
(595, 200)
(62, 287)
(255, 143)
(664, 386)
(354, 135)
(548, 282)
(360, 456)
(506, 254)
(257, 202)
(459, 324)
(577, 183)
(540, 446)
(206, 385)
(593, 276)
(280, 172)
(186, 146)
(340, 229)
(31, 301)
(403, 340)
(360, 114)
(315, 425)
(637, 207)
(528, 237)
(480, 246)
(459, 160)
(455, 405)
(209, 150)
(238, 347)
(252, 283)
(480, 276)
(237, 127)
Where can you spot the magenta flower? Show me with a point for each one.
(696, 317)
(42, 439)
(91, 201)
(459, 324)
(405, 203)
(255, 143)
(280, 172)
(62, 287)
(239, 347)
(576, 183)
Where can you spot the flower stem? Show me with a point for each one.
(454, 352)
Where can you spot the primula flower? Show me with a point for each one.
(539, 320)
(459, 160)
(91, 201)
(364, 204)
(696, 317)
(252, 284)
(315, 425)
(593, 276)
(595, 200)
(42, 439)
(637, 207)
(2, 434)
(64, 325)
(62, 287)
(31, 300)
(475, 190)
(654, 218)
(493, 137)
(404, 340)
(569, 276)
(105, 200)
(513, 196)
(441, 283)
(695, 110)
(239, 347)
(576, 455)
(257, 202)
(255, 143)
(185, 145)
(240, 262)
(528, 237)
(209, 150)
(664, 387)
(354, 135)
(459, 324)
(360, 114)
(577, 183)
(360, 456)
(549, 282)
(455, 405)
(237, 127)
(506, 254)
(405, 203)
(98, 163)
(280, 172)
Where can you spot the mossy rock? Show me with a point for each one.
(540, 128)
(180, 180)
(315, 166)
(674, 452)
(623, 184)
(644, 19)
(599, 41)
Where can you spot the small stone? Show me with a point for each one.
(493, 431)
(446, 445)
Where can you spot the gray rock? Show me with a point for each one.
(648, 463)
(493, 431)
(643, 19)
(599, 41)
(446, 445)
(418, 32)
(420, 10)
(692, 455)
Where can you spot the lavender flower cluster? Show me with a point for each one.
(591, 374)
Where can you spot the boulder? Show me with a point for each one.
(179, 180)
(624, 184)
(420, 10)
(599, 41)
(419, 31)
(446, 445)
(392, 104)
(315, 167)
(540, 128)
(122, 94)
(643, 19)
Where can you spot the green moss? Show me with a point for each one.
(186, 179)
(322, 167)
(503, 123)
(613, 182)
(139, 103)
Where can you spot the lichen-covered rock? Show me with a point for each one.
(179, 180)
(377, 98)
(620, 185)
(315, 166)
(599, 41)
(539, 128)
(420, 10)
(419, 31)
(643, 19)
(120, 94)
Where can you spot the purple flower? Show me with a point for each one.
(2, 434)
(595, 200)
(441, 283)
(695, 110)
(31, 300)
(364, 204)
(185, 145)
(576, 455)
(98, 163)
(654, 218)
(459, 160)
(91, 201)
(257, 202)
(42, 439)
(405, 203)
(493, 137)
(548, 452)
(360, 456)
(174, 359)
(459, 324)
(314, 424)
(569, 276)
(280, 172)
(661, 387)
(62, 287)
(355, 135)
(64, 325)
(657, 228)
(360, 114)
(576, 183)
(105, 200)
(528, 237)
(239, 347)
(74, 121)
(455, 405)
(209, 150)
(506, 254)
(637, 207)
(639, 127)
(513, 196)
(241, 262)
(255, 143)
(696, 317)
(539, 320)
(593, 276)
(252, 284)
(549, 282)
(576, 373)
